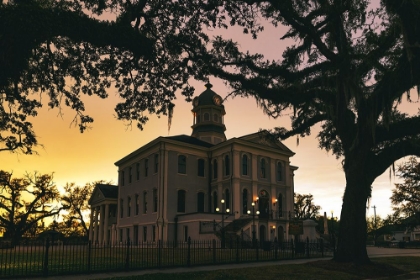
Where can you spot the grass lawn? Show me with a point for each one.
(325, 270)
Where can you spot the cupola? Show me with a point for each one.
(208, 110)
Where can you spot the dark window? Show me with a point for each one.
(121, 208)
(263, 172)
(130, 176)
(181, 201)
(200, 164)
(127, 231)
(206, 117)
(128, 206)
(156, 163)
(216, 117)
(200, 202)
(155, 200)
(122, 178)
(227, 165)
(146, 167)
(136, 235)
(215, 201)
(215, 169)
(144, 202)
(279, 171)
(245, 201)
(182, 164)
(185, 233)
(144, 234)
(244, 165)
(137, 204)
(280, 205)
(227, 198)
(137, 170)
(121, 234)
(153, 233)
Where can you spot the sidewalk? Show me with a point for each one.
(179, 269)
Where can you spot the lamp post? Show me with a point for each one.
(253, 221)
(224, 211)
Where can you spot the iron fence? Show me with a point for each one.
(47, 258)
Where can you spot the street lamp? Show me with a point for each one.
(224, 211)
(253, 221)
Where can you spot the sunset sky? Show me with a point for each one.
(87, 157)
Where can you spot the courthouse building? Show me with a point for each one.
(198, 186)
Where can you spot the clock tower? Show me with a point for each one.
(208, 114)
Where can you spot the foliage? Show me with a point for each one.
(346, 66)
(406, 196)
(26, 202)
(373, 223)
(75, 200)
(304, 207)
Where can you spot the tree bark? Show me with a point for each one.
(352, 233)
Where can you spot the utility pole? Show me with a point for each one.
(374, 215)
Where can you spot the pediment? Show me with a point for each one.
(102, 192)
(262, 138)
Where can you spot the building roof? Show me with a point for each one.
(109, 191)
(206, 97)
(189, 140)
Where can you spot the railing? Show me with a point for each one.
(58, 258)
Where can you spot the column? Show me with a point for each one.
(96, 229)
(91, 224)
(106, 221)
(101, 224)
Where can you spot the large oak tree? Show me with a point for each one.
(346, 67)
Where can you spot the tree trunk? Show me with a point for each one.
(352, 233)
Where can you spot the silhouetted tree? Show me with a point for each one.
(406, 196)
(75, 200)
(346, 66)
(25, 203)
(304, 206)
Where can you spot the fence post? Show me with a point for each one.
(214, 250)
(237, 248)
(293, 249)
(127, 255)
(276, 246)
(159, 253)
(307, 247)
(89, 255)
(45, 266)
(256, 248)
(189, 252)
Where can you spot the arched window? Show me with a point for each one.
(227, 165)
(206, 116)
(182, 164)
(263, 171)
(244, 165)
(214, 201)
(215, 169)
(245, 201)
(144, 202)
(280, 205)
(200, 165)
(279, 171)
(216, 117)
(181, 201)
(200, 202)
(227, 199)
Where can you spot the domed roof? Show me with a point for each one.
(207, 96)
